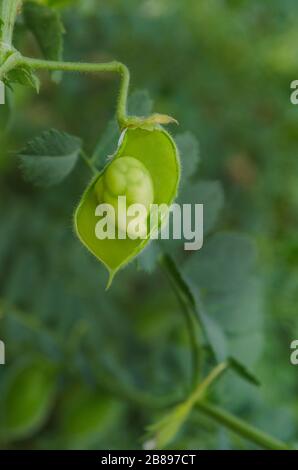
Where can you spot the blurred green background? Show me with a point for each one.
(83, 364)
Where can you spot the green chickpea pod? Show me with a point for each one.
(126, 176)
(145, 169)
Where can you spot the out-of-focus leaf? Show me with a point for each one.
(243, 371)
(147, 260)
(189, 153)
(27, 399)
(217, 339)
(140, 103)
(222, 276)
(85, 415)
(224, 263)
(208, 193)
(46, 26)
(48, 159)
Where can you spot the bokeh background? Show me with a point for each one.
(86, 368)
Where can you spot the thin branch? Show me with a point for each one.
(241, 428)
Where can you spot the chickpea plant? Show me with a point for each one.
(143, 139)
(146, 169)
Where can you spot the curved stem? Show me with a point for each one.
(241, 428)
(114, 67)
(8, 13)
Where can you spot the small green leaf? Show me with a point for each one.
(243, 371)
(23, 75)
(45, 24)
(49, 158)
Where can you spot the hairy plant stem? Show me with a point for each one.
(8, 13)
(84, 67)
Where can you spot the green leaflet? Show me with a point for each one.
(45, 24)
(50, 157)
(157, 151)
